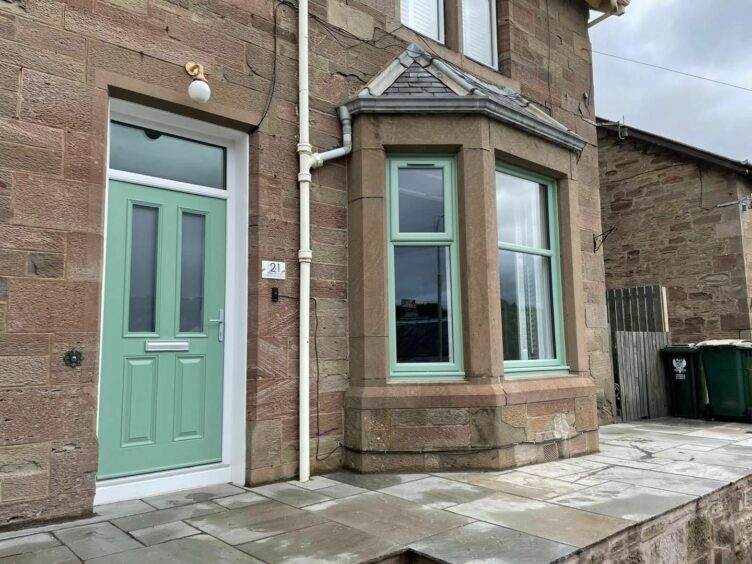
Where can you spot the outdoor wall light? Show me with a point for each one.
(199, 90)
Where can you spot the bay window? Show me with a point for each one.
(529, 272)
(425, 325)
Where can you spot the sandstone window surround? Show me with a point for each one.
(478, 144)
(425, 319)
(466, 25)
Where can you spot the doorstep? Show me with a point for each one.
(667, 490)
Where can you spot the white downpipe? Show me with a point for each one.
(308, 160)
(304, 254)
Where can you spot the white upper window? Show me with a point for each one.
(478, 25)
(479, 30)
(424, 16)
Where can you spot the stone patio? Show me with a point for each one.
(647, 474)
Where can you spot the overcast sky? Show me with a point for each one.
(711, 38)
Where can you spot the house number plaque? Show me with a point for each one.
(276, 270)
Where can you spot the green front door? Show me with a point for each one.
(161, 387)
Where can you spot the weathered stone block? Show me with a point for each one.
(46, 265)
(24, 370)
(264, 443)
(429, 438)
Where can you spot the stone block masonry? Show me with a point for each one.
(61, 61)
(668, 231)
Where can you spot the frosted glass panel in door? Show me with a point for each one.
(143, 276)
(192, 273)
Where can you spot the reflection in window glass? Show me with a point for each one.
(153, 153)
(421, 200)
(526, 306)
(143, 277)
(521, 209)
(423, 304)
(192, 273)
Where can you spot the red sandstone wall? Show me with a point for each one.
(665, 234)
(58, 61)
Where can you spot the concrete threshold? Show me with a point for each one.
(666, 490)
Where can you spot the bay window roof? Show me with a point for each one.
(419, 83)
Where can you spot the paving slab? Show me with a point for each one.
(626, 501)
(101, 513)
(199, 549)
(162, 516)
(95, 540)
(325, 543)
(56, 555)
(342, 490)
(715, 457)
(188, 497)
(525, 485)
(562, 468)
(437, 492)
(315, 483)
(164, 533)
(256, 521)
(628, 452)
(701, 470)
(290, 494)
(483, 542)
(728, 433)
(644, 444)
(550, 521)
(639, 464)
(374, 481)
(390, 518)
(30, 543)
(241, 500)
(661, 480)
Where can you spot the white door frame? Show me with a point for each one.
(232, 466)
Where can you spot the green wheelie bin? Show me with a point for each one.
(728, 371)
(686, 385)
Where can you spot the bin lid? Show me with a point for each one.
(738, 343)
(689, 348)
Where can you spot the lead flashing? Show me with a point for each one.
(475, 105)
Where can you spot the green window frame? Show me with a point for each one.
(446, 238)
(558, 364)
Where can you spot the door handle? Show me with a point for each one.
(220, 325)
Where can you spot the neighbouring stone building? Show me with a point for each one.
(134, 222)
(661, 197)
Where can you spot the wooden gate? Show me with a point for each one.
(639, 330)
(640, 373)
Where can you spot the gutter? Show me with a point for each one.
(617, 9)
(308, 160)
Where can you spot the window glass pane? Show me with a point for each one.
(422, 16)
(421, 200)
(150, 152)
(192, 274)
(521, 210)
(423, 307)
(526, 308)
(478, 22)
(143, 280)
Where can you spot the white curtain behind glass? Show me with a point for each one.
(422, 16)
(478, 37)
